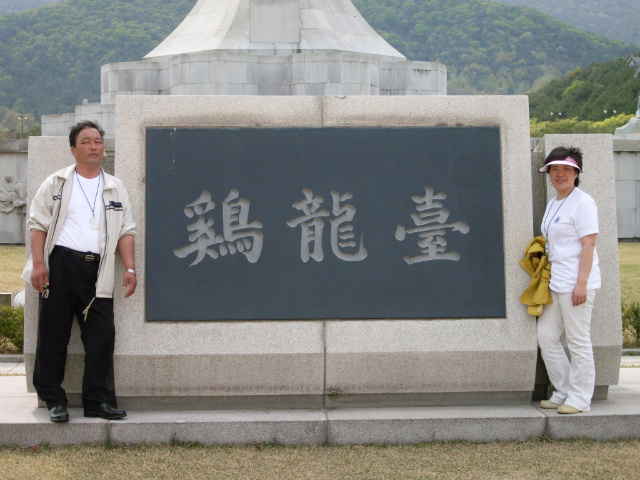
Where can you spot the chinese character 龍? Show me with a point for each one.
(312, 225)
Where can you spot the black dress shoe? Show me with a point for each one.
(104, 410)
(59, 414)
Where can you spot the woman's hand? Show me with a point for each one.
(579, 295)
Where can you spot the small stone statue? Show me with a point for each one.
(633, 127)
(634, 62)
(13, 197)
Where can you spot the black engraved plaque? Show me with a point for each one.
(323, 223)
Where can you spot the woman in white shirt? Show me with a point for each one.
(570, 227)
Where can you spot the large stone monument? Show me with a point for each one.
(222, 349)
(260, 47)
(320, 251)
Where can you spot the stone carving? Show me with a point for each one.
(312, 224)
(235, 237)
(14, 197)
(431, 228)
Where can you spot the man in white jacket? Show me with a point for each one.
(78, 218)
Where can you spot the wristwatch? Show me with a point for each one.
(131, 270)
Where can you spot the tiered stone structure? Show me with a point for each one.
(261, 47)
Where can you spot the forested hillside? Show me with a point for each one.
(592, 93)
(617, 19)
(50, 58)
(12, 6)
(488, 47)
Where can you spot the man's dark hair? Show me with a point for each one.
(560, 153)
(78, 127)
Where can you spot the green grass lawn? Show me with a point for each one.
(530, 460)
(11, 264)
(629, 254)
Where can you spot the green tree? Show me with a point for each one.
(50, 57)
(17, 125)
(617, 19)
(574, 125)
(488, 47)
(595, 93)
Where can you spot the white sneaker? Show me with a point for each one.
(568, 409)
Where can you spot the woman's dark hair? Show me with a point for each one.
(560, 153)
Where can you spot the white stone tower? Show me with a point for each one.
(262, 47)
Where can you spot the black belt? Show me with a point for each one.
(88, 256)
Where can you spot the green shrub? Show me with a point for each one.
(12, 325)
(631, 319)
(573, 125)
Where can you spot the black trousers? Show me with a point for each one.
(72, 287)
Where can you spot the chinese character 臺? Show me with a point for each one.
(431, 228)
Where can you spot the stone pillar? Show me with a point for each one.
(598, 180)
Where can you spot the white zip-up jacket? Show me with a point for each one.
(48, 211)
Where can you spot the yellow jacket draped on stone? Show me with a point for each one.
(537, 265)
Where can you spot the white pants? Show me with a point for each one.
(573, 382)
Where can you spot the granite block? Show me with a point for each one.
(625, 165)
(626, 194)
(627, 222)
(441, 424)
(299, 427)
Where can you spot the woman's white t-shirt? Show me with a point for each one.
(563, 227)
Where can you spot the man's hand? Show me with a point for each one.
(39, 277)
(125, 248)
(39, 274)
(129, 283)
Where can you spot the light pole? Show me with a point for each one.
(22, 117)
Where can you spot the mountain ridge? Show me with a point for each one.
(13, 6)
(50, 57)
(612, 18)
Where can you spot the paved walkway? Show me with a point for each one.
(11, 365)
(22, 423)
